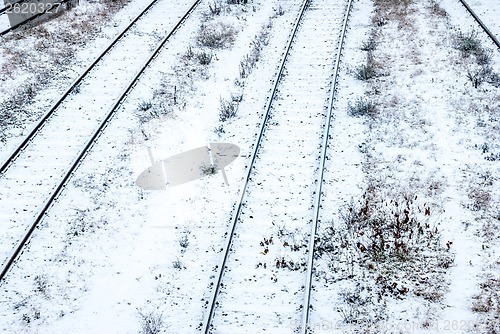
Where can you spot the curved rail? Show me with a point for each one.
(319, 191)
(44, 119)
(478, 20)
(91, 143)
(213, 299)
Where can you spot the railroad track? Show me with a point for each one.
(490, 34)
(264, 281)
(36, 173)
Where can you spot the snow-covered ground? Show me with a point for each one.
(112, 258)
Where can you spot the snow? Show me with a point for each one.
(108, 252)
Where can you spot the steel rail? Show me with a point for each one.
(34, 131)
(91, 142)
(30, 18)
(478, 20)
(206, 326)
(319, 192)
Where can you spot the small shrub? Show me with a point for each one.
(467, 44)
(480, 198)
(355, 303)
(76, 89)
(151, 323)
(215, 7)
(83, 222)
(26, 318)
(29, 92)
(208, 169)
(144, 105)
(365, 72)
(228, 110)
(216, 35)
(484, 56)
(388, 231)
(189, 53)
(479, 75)
(280, 11)
(362, 107)
(177, 264)
(237, 97)
(219, 130)
(493, 157)
(369, 45)
(483, 304)
(494, 80)
(41, 285)
(184, 240)
(237, 2)
(204, 58)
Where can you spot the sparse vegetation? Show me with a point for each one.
(228, 110)
(219, 130)
(177, 264)
(215, 7)
(362, 107)
(390, 230)
(184, 239)
(365, 72)
(484, 57)
(468, 44)
(208, 169)
(369, 45)
(478, 75)
(216, 35)
(391, 244)
(279, 11)
(249, 61)
(41, 285)
(144, 105)
(487, 302)
(58, 46)
(151, 323)
(204, 58)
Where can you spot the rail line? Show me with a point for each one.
(481, 24)
(33, 132)
(37, 172)
(295, 126)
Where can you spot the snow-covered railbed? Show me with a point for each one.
(39, 63)
(109, 257)
(487, 13)
(40, 167)
(263, 283)
(409, 233)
